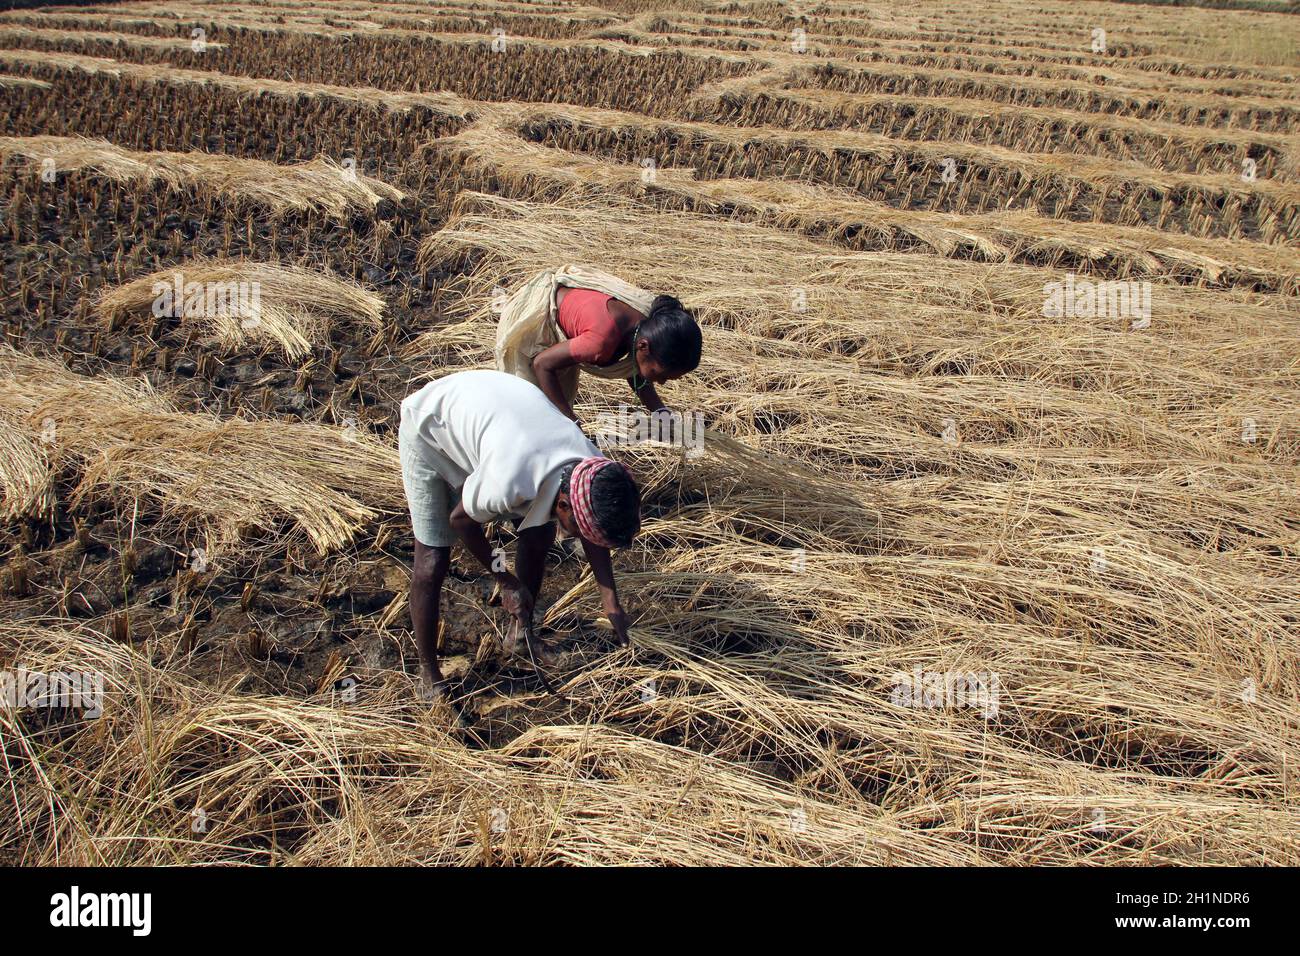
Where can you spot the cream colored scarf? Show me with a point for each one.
(529, 325)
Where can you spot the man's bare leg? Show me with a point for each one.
(431, 565)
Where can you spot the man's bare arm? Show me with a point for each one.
(476, 542)
(602, 569)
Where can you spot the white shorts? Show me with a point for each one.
(429, 497)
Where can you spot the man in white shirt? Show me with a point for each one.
(480, 445)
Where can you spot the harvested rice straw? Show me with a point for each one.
(59, 60)
(1189, 101)
(1066, 634)
(324, 27)
(135, 40)
(574, 794)
(228, 476)
(253, 302)
(1034, 129)
(767, 298)
(797, 631)
(447, 104)
(1088, 247)
(320, 185)
(24, 473)
(1131, 193)
(22, 82)
(532, 171)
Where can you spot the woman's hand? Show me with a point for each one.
(665, 428)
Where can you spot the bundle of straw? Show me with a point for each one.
(227, 477)
(291, 307)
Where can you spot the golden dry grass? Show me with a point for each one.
(23, 81)
(216, 478)
(9, 33)
(529, 169)
(398, 101)
(913, 315)
(295, 308)
(322, 184)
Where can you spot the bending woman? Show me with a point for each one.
(580, 318)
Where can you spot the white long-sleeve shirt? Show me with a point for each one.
(499, 439)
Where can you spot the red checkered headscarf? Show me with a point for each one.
(580, 496)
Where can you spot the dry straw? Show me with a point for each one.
(23, 82)
(290, 307)
(447, 104)
(382, 783)
(218, 478)
(322, 184)
(530, 170)
(1019, 381)
(24, 472)
(761, 100)
(8, 33)
(910, 174)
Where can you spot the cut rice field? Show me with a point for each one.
(989, 553)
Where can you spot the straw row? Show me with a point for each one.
(220, 478)
(322, 184)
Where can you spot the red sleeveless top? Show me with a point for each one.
(592, 332)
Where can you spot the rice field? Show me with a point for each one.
(990, 554)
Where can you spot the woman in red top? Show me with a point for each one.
(601, 330)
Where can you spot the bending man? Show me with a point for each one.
(480, 445)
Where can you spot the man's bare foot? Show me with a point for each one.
(512, 639)
(538, 650)
(433, 687)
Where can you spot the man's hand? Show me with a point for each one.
(619, 621)
(516, 600)
(602, 569)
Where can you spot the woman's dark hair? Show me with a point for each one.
(616, 501)
(673, 335)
